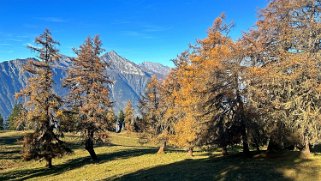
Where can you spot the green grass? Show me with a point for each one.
(125, 159)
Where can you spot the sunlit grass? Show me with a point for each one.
(125, 159)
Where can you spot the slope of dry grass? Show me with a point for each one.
(125, 159)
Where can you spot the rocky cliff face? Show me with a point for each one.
(129, 78)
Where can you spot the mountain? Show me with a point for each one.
(129, 79)
(155, 68)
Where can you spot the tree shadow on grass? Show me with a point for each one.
(316, 148)
(10, 155)
(234, 167)
(10, 140)
(72, 164)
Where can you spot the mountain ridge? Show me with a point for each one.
(129, 79)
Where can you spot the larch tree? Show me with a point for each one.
(42, 104)
(149, 106)
(181, 103)
(110, 119)
(89, 93)
(129, 117)
(149, 103)
(221, 90)
(16, 120)
(264, 88)
(288, 47)
(168, 112)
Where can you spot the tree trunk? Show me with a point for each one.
(190, 152)
(246, 149)
(224, 150)
(306, 149)
(242, 118)
(124, 125)
(274, 147)
(162, 148)
(49, 162)
(89, 146)
(257, 148)
(132, 125)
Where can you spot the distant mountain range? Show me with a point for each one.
(129, 79)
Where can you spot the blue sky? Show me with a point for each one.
(140, 30)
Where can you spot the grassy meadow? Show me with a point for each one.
(125, 159)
